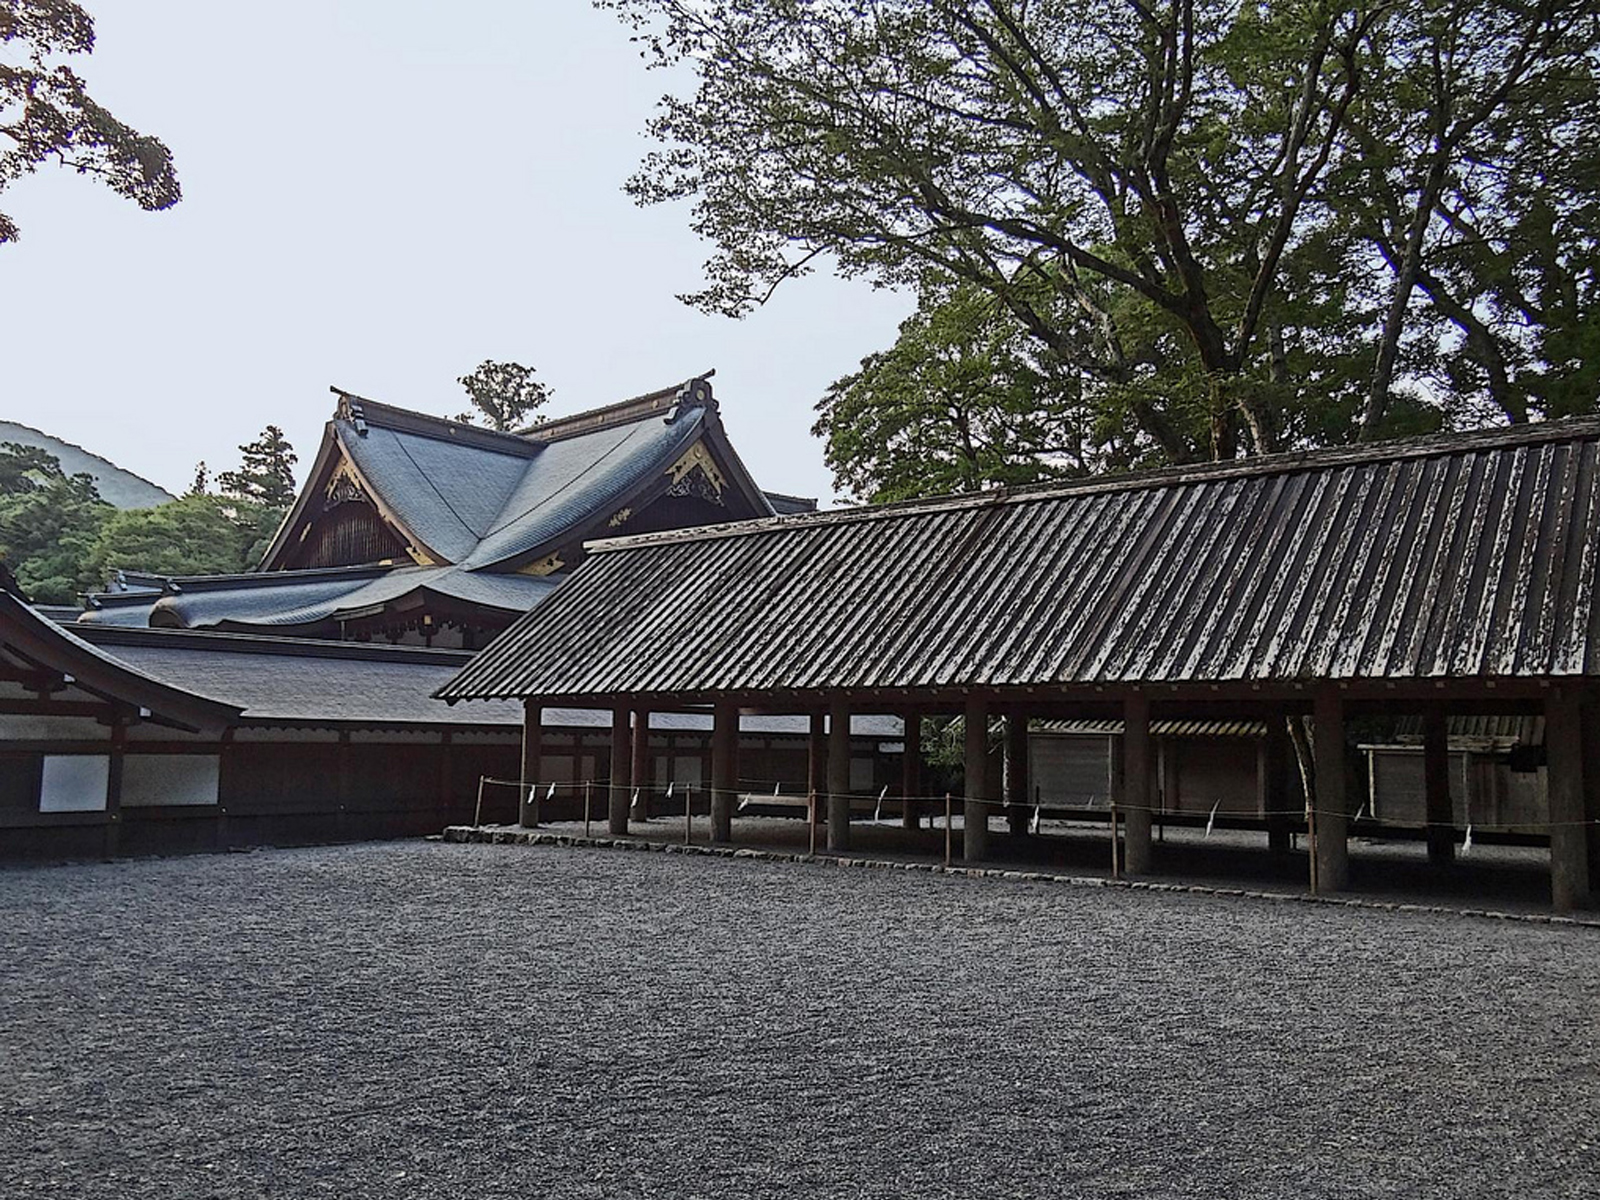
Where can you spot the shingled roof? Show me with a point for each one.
(1453, 556)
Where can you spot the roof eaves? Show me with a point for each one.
(54, 648)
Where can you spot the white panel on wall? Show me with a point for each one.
(152, 779)
(74, 783)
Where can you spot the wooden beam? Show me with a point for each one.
(532, 754)
(724, 770)
(1332, 816)
(975, 806)
(1137, 794)
(1440, 810)
(838, 777)
(621, 771)
(1569, 842)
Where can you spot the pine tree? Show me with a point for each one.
(266, 474)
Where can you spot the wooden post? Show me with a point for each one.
(641, 764)
(688, 815)
(477, 811)
(838, 776)
(113, 827)
(1330, 846)
(532, 749)
(1116, 858)
(1136, 791)
(1441, 816)
(621, 771)
(911, 773)
(588, 789)
(975, 807)
(724, 769)
(811, 822)
(1569, 842)
(1590, 717)
(1016, 774)
(817, 767)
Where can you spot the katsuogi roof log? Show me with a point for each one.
(1461, 557)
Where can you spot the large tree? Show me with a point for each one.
(503, 394)
(963, 400)
(48, 116)
(1242, 225)
(266, 472)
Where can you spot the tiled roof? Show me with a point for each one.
(299, 681)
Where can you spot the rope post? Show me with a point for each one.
(1116, 868)
(587, 787)
(811, 821)
(948, 831)
(688, 815)
(477, 813)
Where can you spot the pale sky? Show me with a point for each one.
(380, 194)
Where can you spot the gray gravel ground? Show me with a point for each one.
(421, 1019)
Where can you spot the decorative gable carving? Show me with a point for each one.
(696, 474)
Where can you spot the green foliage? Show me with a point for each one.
(61, 539)
(503, 393)
(266, 475)
(1240, 227)
(194, 535)
(963, 400)
(49, 523)
(46, 114)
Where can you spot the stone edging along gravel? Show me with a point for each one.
(508, 836)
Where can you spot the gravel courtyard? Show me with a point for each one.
(420, 1019)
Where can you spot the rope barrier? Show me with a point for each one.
(1122, 808)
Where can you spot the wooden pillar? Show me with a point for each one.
(1569, 841)
(724, 769)
(639, 778)
(817, 766)
(621, 771)
(1441, 813)
(532, 749)
(911, 773)
(1016, 774)
(1332, 816)
(1273, 776)
(1591, 786)
(975, 807)
(838, 778)
(119, 742)
(1137, 793)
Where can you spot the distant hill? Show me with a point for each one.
(121, 488)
